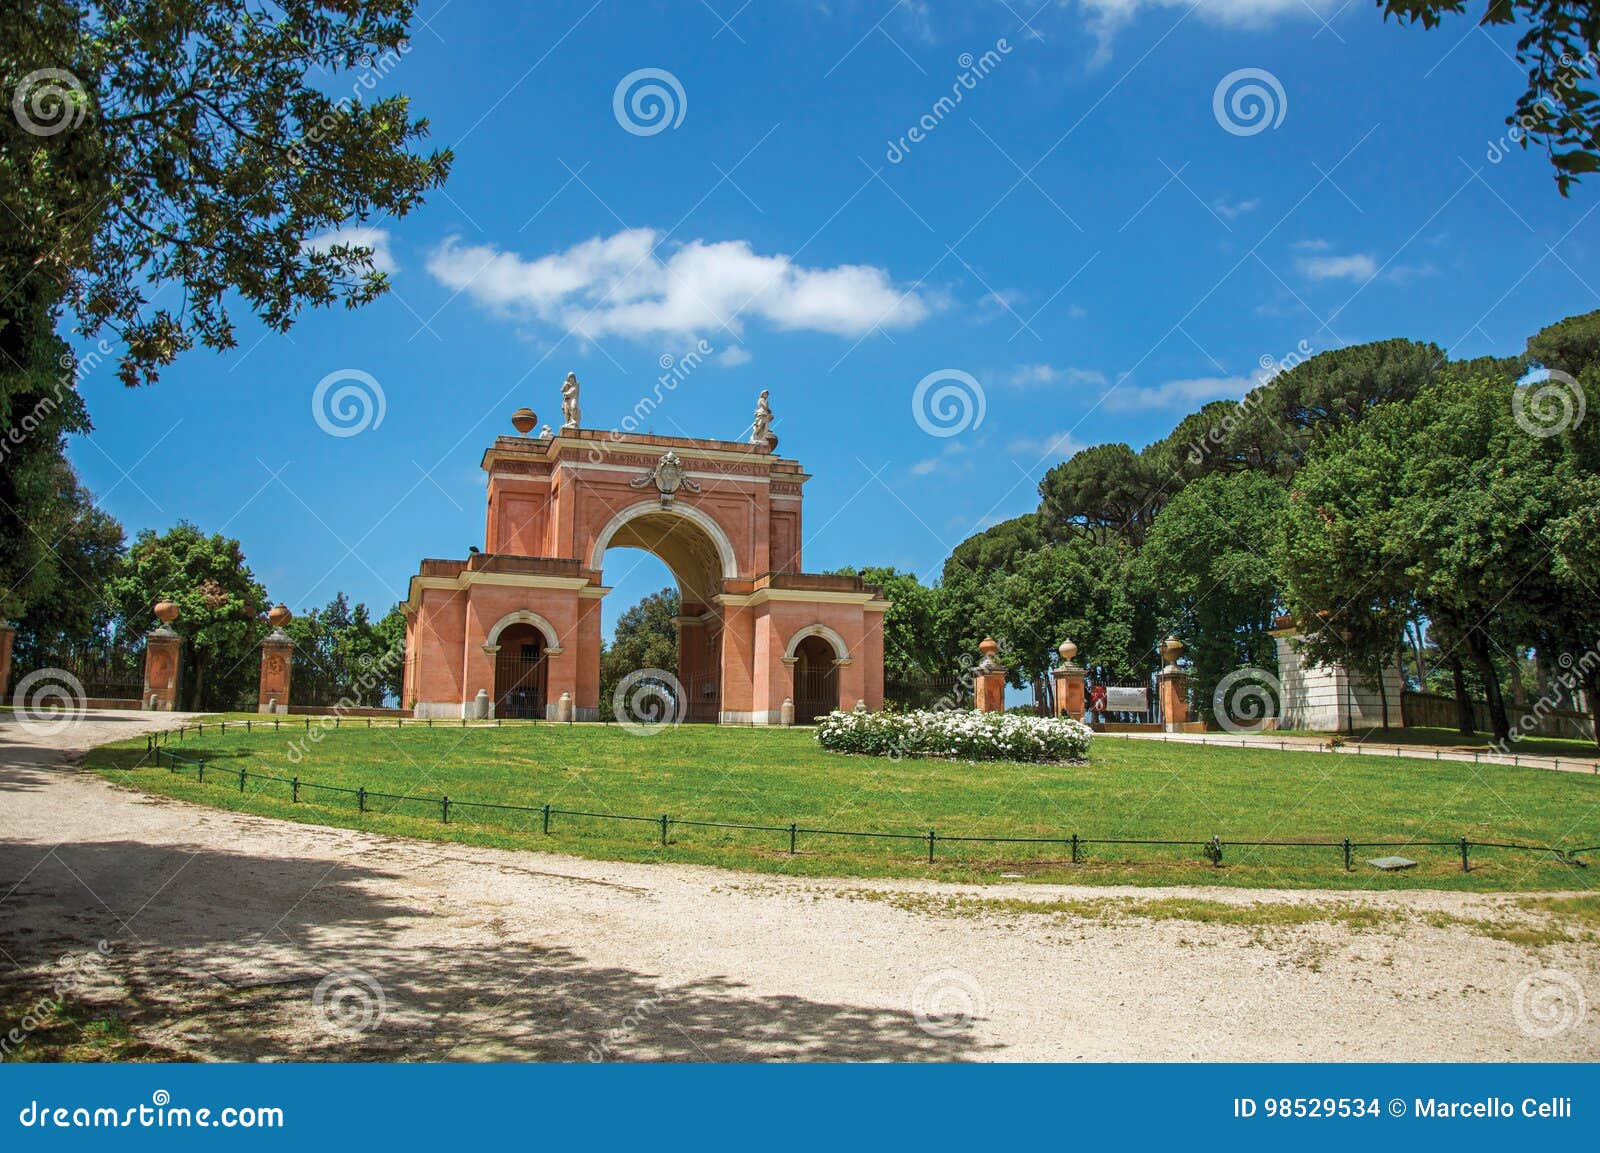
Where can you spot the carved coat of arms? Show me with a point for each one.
(668, 476)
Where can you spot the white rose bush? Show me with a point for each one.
(956, 734)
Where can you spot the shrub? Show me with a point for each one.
(961, 734)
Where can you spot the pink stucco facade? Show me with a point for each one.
(724, 516)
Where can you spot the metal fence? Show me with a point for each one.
(1212, 848)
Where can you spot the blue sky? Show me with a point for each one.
(1096, 236)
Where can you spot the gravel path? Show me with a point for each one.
(242, 938)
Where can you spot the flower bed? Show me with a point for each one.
(963, 735)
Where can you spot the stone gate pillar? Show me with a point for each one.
(8, 635)
(1174, 686)
(277, 663)
(163, 657)
(1069, 683)
(989, 681)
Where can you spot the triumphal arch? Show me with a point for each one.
(514, 630)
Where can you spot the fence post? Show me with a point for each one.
(794, 829)
(1074, 848)
(1465, 868)
(241, 780)
(247, 729)
(663, 828)
(361, 798)
(202, 765)
(547, 818)
(930, 846)
(294, 796)
(308, 724)
(444, 803)
(1347, 854)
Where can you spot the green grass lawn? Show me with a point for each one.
(1453, 739)
(1130, 789)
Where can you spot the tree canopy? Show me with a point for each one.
(1560, 42)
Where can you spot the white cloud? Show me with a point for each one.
(1035, 375)
(1408, 273)
(951, 450)
(1233, 209)
(1311, 244)
(1360, 266)
(1107, 17)
(1051, 444)
(620, 284)
(376, 239)
(734, 355)
(1179, 394)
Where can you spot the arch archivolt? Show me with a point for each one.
(841, 651)
(552, 643)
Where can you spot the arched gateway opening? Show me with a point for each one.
(521, 619)
(816, 681)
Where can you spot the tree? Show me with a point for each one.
(1106, 491)
(181, 146)
(1290, 411)
(341, 655)
(192, 145)
(390, 636)
(914, 644)
(1446, 502)
(220, 608)
(1208, 567)
(646, 637)
(80, 548)
(1571, 345)
(38, 409)
(1559, 45)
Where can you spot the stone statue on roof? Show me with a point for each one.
(761, 425)
(569, 401)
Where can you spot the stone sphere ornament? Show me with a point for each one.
(166, 612)
(280, 615)
(524, 420)
(1068, 650)
(1171, 650)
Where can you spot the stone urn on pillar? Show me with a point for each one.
(1069, 678)
(1174, 686)
(277, 665)
(163, 657)
(989, 680)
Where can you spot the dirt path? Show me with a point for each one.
(236, 937)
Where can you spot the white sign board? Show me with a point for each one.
(1120, 699)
